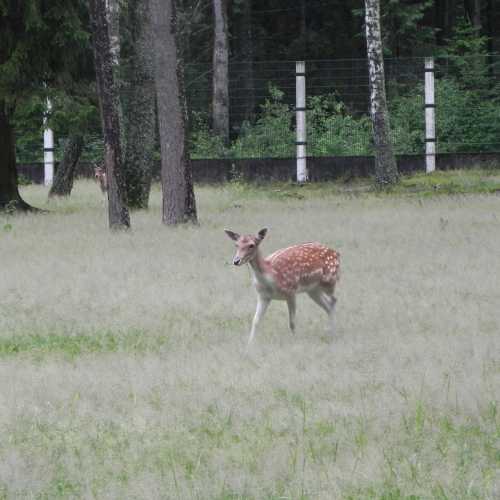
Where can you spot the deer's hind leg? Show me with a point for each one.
(323, 296)
(329, 291)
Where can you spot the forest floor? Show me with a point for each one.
(123, 368)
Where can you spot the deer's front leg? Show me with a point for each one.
(291, 313)
(262, 305)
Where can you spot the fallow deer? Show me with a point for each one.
(100, 176)
(310, 268)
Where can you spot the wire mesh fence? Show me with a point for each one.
(262, 97)
(262, 109)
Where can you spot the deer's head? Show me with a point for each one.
(246, 245)
(99, 172)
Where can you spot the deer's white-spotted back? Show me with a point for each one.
(298, 268)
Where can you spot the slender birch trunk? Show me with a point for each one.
(179, 203)
(386, 171)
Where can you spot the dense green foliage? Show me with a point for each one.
(331, 131)
(467, 120)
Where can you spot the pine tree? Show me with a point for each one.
(41, 46)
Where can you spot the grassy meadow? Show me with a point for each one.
(123, 368)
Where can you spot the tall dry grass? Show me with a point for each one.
(159, 399)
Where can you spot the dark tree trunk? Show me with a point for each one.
(220, 90)
(113, 8)
(439, 20)
(10, 199)
(386, 172)
(247, 56)
(473, 11)
(141, 129)
(303, 51)
(63, 180)
(179, 204)
(450, 17)
(109, 105)
(492, 23)
(476, 18)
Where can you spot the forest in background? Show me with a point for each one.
(265, 38)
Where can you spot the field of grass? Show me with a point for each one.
(123, 368)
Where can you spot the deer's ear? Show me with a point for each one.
(234, 236)
(262, 233)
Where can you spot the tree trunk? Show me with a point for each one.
(492, 22)
(179, 204)
(10, 199)
(63, 180)
(220, 90)
(141, 119)
(304, 49)
(109, 105)
(386, 172)
(113, 18)
(472, 10)
(247, 57)
(476, 19)
(450, 17)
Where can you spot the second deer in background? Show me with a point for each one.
(101, 178)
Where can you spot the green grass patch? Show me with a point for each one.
(437, 183)
(451, 182)
(72, 346)
(451, 461)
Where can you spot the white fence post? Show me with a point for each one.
(48, 149)
(300, 115)
(430, 117)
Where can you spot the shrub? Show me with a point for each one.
(465, 120)
(332, 130)
(271, 135)
(203, 143)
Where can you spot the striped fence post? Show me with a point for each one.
(430, 117)
(300, 113)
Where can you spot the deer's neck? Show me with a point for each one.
(261, 269)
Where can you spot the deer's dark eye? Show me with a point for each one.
(251, 246)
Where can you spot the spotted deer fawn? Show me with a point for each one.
(310, 267)
(100, 176)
